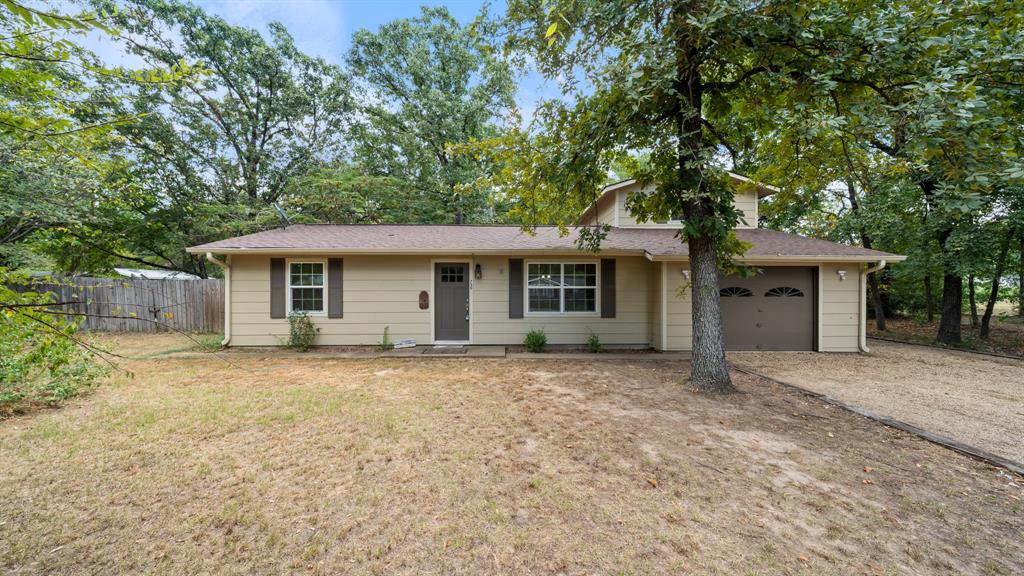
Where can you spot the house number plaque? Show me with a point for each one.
(424, 300)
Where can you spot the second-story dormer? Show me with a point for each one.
(610, 208)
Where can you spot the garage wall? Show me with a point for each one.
(654, 304)
(840, 308)
(679, 308)
(379, 291)
(491, 324)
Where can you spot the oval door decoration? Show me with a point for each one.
(424, 300)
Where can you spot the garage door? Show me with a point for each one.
(774, 310)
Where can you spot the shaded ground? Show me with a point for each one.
(1006, 334)
(391, 466)
(976, 399)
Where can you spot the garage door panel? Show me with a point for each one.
(771, 311)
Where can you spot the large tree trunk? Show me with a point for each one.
(972, 298)
(993, 295)
(709, 368)
(952, 308)
(929, 299)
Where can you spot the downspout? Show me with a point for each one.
(863, 297)
(227, 295)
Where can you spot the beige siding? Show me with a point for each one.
(491, 324)
(654, 284)
(379, 291)
(383, 291)
(746, 202)
(678, 319)
(840, 308)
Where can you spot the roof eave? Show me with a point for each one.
(755, 259)
(418, 251)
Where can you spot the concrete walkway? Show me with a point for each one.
(974, 399)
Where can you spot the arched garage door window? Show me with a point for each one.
(785, 292)
(735, 292)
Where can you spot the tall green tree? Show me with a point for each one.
(681, 81)
(215, 151)
(429, 83)
(931, 93)
(56, 125)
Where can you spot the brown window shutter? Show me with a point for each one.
(608, 288)
(335, 304)
(515, 288)
(277, 288)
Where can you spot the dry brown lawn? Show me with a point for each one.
(457, 466)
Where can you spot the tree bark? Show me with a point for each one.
(973, 299)
(709, 369)
(993, 295)
(952, 309)
(929, 299)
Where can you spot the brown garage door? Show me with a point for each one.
(774, 310)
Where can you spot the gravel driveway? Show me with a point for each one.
(976, 399)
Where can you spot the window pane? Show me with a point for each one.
(307, 299)
(306, 274)
(581, 275)
(580, 300)
(453, 274)
(544, 275)
(544, 300)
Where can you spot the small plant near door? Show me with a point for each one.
(301, 332)
(535, 340)
(594, 342)
(385, 341)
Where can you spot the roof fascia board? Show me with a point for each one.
(425, 252)
(804, 259)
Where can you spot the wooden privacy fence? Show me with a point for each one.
(137, 304)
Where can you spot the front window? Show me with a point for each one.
(306, 287)
(561, 288)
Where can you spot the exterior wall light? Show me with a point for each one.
(841, 274)
(478, 272)
(685, 273)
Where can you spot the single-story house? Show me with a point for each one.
(490, 285)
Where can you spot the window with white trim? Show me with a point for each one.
(306, 287)
(562, 288)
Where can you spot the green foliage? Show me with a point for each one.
(40, 363)
(385, 340)
(301, 332)
(429, 83)
(535, 340)
(594, 342)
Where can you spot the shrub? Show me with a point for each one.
(40, 361)
(593, 343)
(535, 340)
(301, 332)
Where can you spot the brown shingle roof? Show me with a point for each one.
(438, 239)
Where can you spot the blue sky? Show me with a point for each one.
(324, 28)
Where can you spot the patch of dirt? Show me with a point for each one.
(392, 466)
(976, 399)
